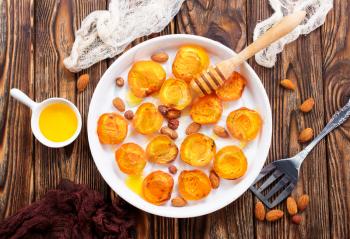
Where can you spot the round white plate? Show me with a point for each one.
(254, 97)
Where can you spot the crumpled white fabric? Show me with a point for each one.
(104, 34)
(315, 17)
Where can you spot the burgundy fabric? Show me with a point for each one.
(70, 211)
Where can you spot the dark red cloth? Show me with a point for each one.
(70, 211)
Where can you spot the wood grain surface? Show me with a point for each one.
(35, 37)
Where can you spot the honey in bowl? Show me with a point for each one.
(58, 122)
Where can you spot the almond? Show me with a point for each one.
(303, 202)
(306, 135)
(119, 104)
(307, 105)
(274, 215)
(214, 179)
(220, 131)
(178, 202)
(169, 132)
(119, 81)
(129, 115)
(193, 128)
(160, 57)
(292, 207)
(260, 211)
(82, 82)
(172, 169)
(287, 84)
(296, 219)
(173, 114)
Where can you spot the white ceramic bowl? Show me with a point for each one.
(254, 96)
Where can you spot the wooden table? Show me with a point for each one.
(36, 35)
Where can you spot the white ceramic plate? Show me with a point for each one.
(254, 97)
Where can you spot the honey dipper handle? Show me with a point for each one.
(279, 30)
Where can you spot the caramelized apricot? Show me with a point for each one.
(232, 88)
(197, 149)
(145, 78)
(157, 187)
(230, 162)
(131, 158)
(112, 128)
(206, 110)
(244, 124)
(161, 149)
(189, 61)
(175, 93)
(194, 184)
(147, 119)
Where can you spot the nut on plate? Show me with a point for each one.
(260, 211)
(129, 115)
(169, 132)
(214, 179)
(173, 124)
(306, 135)
(119, 104)
(307, 105)
(220, 131)
(119, 81)
(160, 57)
(193, 128)
(173, 114)
(172, 169)
(274, 215)
(163, 109)
(178, 202)
(82, 82)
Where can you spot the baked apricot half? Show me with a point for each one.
(197, 149)
(244, 124)
(157, 187)
(175, 93)
(112, 128)
(232, 88)
(230, 163)
(194, 184)
(145, 78)
(190, 60)
(131, 158)
(147, 119)
(161, 149)
(206, 110)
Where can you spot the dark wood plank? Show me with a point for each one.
(224, 21)
(336, 68)
(16, 140)
(300, 62)
(56, 22)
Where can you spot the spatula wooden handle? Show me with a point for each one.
(214, 77)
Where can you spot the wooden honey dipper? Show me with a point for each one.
(213, 77)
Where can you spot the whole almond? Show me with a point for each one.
(306, 135)
(129, 115)
(172, 169)
(274, 215)
(292, 207)
(220, 131)
(287, 84)
(193, 128)
(296, 219)
(119, 81)
(119, 104)
(214, 179)
(160, 57)
(260, 211)
(178, 202)
(173, 114)
(169, 132)
(173, 124)
(82, 82)
(307, 105)
(303, 202)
